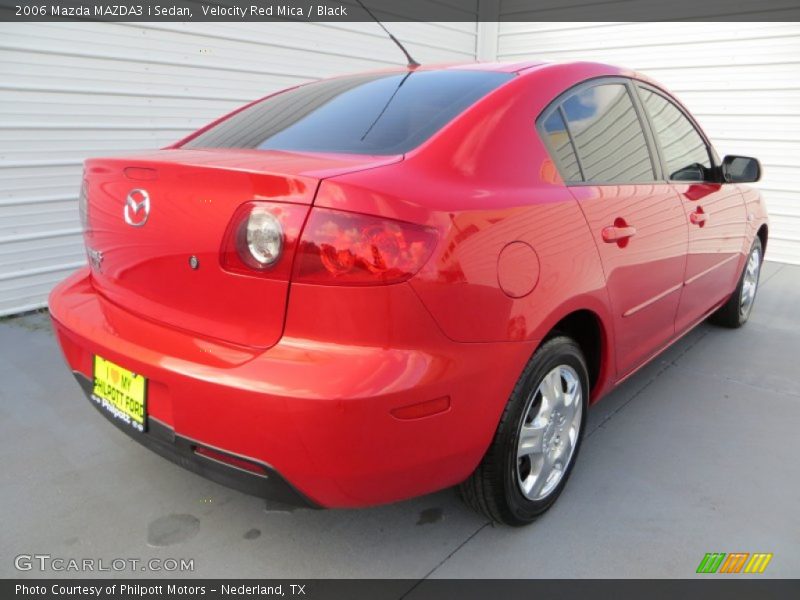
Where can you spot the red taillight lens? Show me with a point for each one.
(262, 237)
(341, 248)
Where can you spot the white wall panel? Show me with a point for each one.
(69, 91)
(741, 80)
(73, 90)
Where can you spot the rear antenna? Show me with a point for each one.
(412, 64)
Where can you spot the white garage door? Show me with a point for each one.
(741, 80)
(73, 90)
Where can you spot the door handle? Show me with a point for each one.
(698, 217)
(616, 234)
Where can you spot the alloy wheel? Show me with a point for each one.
(750, 283)
(549, 432)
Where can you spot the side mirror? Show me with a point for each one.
(740, 169)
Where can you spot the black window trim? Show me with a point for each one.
(713, 157)
(571, 139)
(556, 105)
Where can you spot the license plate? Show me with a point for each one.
(120, 392)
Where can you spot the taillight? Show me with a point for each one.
(261, 238)
(341, 248)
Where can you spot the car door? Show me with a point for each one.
(715, 211)
(607, 158)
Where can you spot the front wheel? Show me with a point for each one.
(735, 312)
(538, 438)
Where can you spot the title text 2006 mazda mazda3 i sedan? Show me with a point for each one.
(372, 287)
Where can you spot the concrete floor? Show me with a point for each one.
(697, 453)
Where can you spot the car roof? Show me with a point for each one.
(500, 67)
(520, 67)
(524, 67)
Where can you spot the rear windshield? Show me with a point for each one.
(365, 114)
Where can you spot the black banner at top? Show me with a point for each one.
(400, 10)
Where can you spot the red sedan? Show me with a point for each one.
(372, 287)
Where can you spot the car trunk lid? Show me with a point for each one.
(157, 223)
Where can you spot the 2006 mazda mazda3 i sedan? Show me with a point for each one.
(373, 287)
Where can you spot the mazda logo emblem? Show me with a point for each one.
(137, 208)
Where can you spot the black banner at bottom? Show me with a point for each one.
(378, 589)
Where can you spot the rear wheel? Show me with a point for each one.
(538, 438)
(735, 312)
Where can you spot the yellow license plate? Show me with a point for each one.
(120, 392)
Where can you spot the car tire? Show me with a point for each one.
(736, 311)
(547, 409)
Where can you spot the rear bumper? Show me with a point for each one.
(317, 414)
(162, 439)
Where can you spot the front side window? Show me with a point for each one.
(608, 135)
(683, 149)
(379, 113)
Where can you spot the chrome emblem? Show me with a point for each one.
(95, 258)
(137, 208)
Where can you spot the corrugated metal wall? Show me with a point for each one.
(73, 90)
(741, 80)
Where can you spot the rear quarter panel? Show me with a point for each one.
(487, 183)
(757, 216)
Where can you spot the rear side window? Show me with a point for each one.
(389, 113)
(558, 140)
(608, 135)
(683, 149)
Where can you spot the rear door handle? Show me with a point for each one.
(698, 217)
(615, 234)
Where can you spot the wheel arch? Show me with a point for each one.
(763, 235)
(590, 327)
